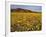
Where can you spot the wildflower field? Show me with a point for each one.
(22, 21)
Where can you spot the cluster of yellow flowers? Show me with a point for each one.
(26, 22)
